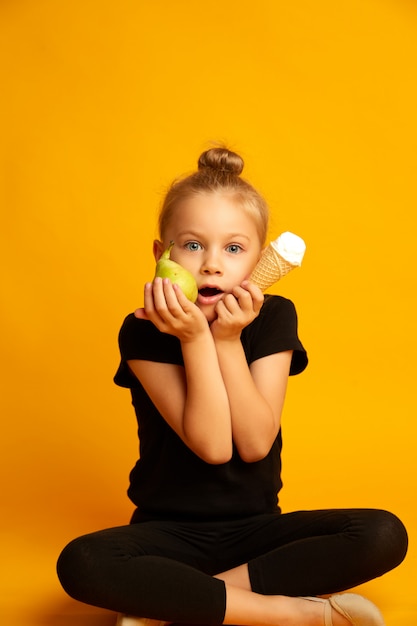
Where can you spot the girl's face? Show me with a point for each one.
(217, 241)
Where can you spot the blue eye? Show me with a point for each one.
(193, 246)
(234, 248)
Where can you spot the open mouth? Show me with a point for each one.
(209, 292)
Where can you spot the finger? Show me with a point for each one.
(253, 289)
(230, 303)
(185, 303)
(255, 292)
(159, 298)
(167, 303)
(221, 309)
(244, 298)
(148, 299)
(141, 314)
(173, 298)
(155, 305)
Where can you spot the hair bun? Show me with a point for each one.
(221, 160)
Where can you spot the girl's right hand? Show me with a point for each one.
(166, 306)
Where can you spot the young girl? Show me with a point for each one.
(207, 543)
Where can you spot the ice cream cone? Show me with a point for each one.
(270, 269)
(280, 257)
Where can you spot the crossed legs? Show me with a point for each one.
(193, 573)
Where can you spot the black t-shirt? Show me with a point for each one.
(169, 481)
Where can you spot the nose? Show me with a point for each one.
(211, 264)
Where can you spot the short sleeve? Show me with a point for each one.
(275, 330)
(140, 339)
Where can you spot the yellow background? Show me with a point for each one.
(103, 104)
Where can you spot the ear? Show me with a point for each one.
(158, 248)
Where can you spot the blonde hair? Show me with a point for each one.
(218, 171)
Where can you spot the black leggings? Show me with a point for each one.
(164, 570)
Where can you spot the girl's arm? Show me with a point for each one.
(256, 393)
(192, 399)
(256, 397)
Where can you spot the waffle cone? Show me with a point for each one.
(270, 269)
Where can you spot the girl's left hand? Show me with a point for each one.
(236, 310)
